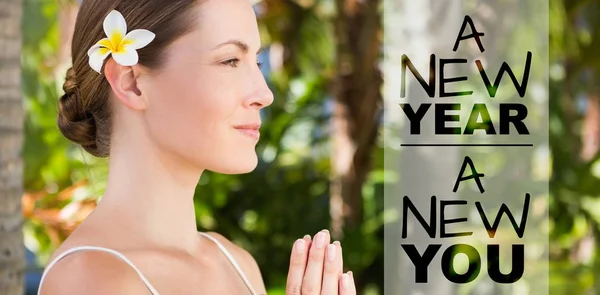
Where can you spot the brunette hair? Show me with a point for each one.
(84, 112)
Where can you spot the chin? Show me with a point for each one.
(238, 165)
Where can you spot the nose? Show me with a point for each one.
(261, 96)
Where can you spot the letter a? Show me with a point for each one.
(474, 174)
(474, 34)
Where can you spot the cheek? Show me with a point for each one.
(189, 114)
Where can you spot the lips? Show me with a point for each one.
(250, 130)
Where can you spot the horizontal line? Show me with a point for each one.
(466, 144)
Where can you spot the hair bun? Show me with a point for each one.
(74, 121)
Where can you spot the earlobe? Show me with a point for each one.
(123, 82)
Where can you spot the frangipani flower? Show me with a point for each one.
(122, 47)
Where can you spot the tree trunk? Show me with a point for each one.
(357, 107)
(12, 250)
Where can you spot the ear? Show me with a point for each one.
(123, 82)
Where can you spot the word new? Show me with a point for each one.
(479, 110)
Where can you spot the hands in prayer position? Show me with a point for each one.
(316, 268)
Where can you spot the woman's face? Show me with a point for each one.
(203, 106)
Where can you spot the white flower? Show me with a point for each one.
(123, 49)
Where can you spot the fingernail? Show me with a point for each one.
(300, 246)
(345, 281)
(325, 230)
(307, 237)
(351, 276)
(337, 243)
(331, 252)
(320, 239)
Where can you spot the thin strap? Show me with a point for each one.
(233, 262)
(91, 248)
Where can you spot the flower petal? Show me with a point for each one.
(128, 57)
(137, 39)
(93, 49)
(102, 43)
(115, 23)
(97, 55)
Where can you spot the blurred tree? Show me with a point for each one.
(357, 107)
(574, 138)
(326, 79)
(12, 254)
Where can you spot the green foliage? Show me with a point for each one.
(575, 184)
(52, 163)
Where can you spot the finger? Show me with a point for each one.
(340, 257)
(331, 271)
(297, 267)
(313, 276)
(352, 283)
(347, 286)
(308, 240)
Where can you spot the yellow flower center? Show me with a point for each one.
(116, 43)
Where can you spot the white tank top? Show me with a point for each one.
(142, 277)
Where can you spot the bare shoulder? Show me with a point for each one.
(238, 252)
(93, 273)
(245, 259)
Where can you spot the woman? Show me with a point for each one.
(169, 89)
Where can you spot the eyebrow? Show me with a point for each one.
(240, 44)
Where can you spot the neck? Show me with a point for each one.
(149, 196)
